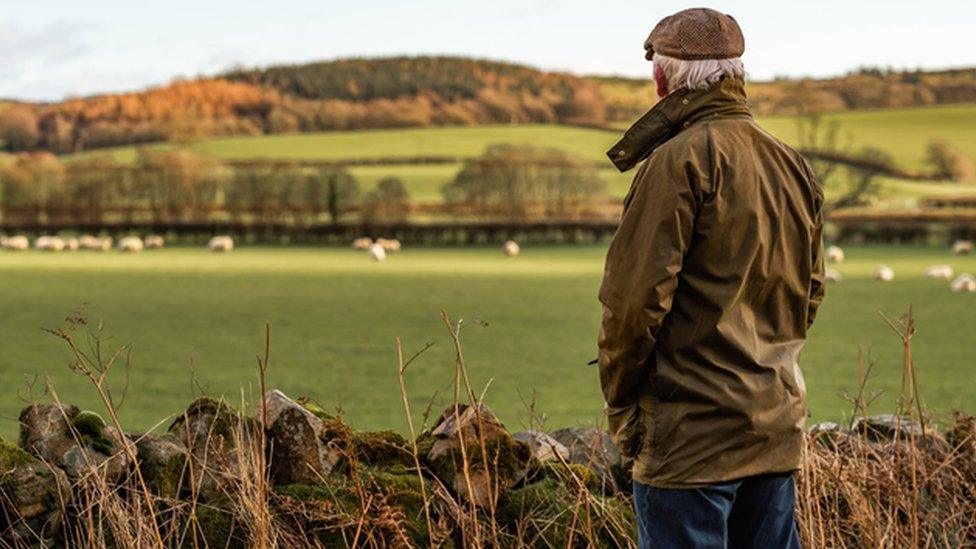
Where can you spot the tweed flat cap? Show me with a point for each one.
(696, 33)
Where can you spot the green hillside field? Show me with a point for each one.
(904, 133)
(195, 321)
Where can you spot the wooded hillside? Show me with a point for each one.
(416, 92)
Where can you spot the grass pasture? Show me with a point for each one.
(904, 133)
(195, 319)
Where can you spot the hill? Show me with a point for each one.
(399, 92)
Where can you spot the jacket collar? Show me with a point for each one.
(674, 113)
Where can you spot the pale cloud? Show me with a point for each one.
(32, 54)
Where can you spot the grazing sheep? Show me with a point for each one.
(89, 242)
(962, 247)
(884, 273)
(71, 244)
(939, 272)
(389, 245)
(362, 244)
(17, 243)
(511, 248)
(377, 252)
(835, 255)
(221, 243)
(832, 275)
(964, 283)
(154, 242)
(49, 243)
(104, 244)
(131, 244)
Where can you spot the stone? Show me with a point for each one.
(162, 460)
(212, 432)
(485, 480)
(544, 447)
(79, 442)
(884, 427)
(595, 449)
(33, 495)
(300, 452)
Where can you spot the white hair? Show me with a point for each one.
(698, 74)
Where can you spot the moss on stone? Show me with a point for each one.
(12, 456)
(91, 428)
(397, 488)
(218, 528)
(506, 456)
(381, 449)
(166, 479)
(543, 514)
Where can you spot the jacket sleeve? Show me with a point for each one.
(818, 275)
(641, 276)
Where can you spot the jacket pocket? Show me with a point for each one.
(626, 427)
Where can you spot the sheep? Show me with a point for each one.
(939, 272)
(377, 252)
(49, 243)
(154, 242)
(964, 283)
(221, 243)
(962, 247)
(835, 254)
(362, 244)
(389, 245)
(17, 243)
(884, 273)
(832, 275)
(71, 244)
(131, 244)
(511, 248)
(89, 242)
(100, 244)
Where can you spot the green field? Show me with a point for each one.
(904, 133)
(194, 318)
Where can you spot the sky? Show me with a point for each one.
(51, 49)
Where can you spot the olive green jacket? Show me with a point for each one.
(711, 282)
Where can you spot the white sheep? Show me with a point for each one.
(835, 254)
(71, 244)
(362, 244)
(17, 243)
(154, 242)
(511, 248)
(832, 275)
(939, 272)
(389, 245)
(131, 244)
(964, 283)
(962, 247)
(377, 252)
(49, 243)
(221, 243)
(104, 244)
(884, 273)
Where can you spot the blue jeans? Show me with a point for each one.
(752, 512)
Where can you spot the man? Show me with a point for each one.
(712, 280)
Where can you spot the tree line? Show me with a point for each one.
(179, 186)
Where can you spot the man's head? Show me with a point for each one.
(694, 49)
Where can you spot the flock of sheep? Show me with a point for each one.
(130, 244)
(381, 247)
(965, 282)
